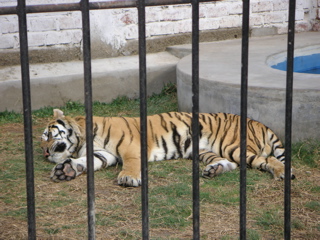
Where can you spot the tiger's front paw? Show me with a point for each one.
(129, 179)
(63, 172)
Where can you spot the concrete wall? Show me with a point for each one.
(115, 32)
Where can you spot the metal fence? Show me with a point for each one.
(84, 6)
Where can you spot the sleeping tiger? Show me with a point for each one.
(117, 140)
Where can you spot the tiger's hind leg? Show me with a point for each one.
(215, 165)
(269, 164)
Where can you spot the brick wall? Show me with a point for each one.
(118, 26)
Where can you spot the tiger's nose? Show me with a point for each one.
(46, 152)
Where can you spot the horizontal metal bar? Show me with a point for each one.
(93, 6)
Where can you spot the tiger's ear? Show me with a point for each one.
(57, 113)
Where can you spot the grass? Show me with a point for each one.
(313, 205)
(307, 152)
(61, 208)
(270, 219)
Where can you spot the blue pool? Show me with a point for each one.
(302, 64)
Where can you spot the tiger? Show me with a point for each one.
(116, 140)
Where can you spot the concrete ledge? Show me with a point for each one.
(99, 50)
(220, 74)
(54, 84)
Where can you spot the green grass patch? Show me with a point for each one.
(227, 237)
(307, 153)
(170, 200)
(223, 189)
(19, 213)
(253, 234)
(315, 189)
(52, 231)
(313, 205)
(270, 219)
(297, 224)
(10, 117)
(122, 106)
(109, 220)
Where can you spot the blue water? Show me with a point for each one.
(302, 64)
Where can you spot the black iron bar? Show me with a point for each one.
(243, 119)
(94, 6)
(25, 76)
(288, 119)
(88, 108)
(143, 118)
(195, 118)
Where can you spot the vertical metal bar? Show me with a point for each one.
(143, 119)
(243, 120)
(289, 89)
(88, 106)
(25, 76)
(195, 118)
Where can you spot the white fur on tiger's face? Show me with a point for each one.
(169, 136)
(58, 142)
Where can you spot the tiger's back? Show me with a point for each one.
(170, 134)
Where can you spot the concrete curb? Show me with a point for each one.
(54, 84)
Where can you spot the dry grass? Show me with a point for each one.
(61, 207)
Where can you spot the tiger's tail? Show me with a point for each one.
(276, 145)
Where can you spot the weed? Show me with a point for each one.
(19, 213)
(315, 189)
(313, 205)
(227, 237)
(297, 224)
(269, 219)
(52, 231)
(253, 234)
(307, 153)
(10, 117)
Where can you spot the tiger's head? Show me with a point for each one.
(61, 138)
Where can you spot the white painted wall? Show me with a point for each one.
(117, 26)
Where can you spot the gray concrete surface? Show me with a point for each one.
(54, 84)
(220, 74)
